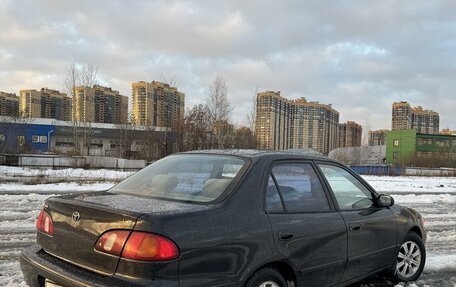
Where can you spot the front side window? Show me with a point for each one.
(186, 177)
(300, 188)
(350, 193)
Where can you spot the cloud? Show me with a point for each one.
(359, 56)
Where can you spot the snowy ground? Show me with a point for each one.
(434, 198)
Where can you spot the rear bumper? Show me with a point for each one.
(37, 266)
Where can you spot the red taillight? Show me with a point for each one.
(112, 242)
(44, 223)
(138, 246)
(149, 246)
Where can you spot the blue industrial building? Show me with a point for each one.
(22, 137)
(38, 135)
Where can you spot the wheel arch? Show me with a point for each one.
(417, 230)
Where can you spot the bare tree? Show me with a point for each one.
(197, 128)
(89, 75)
(71, 81)
(366, 127)
(170, 81)
(251, 115)
(77, 76)
(340, 154)
(244, 138)
(218, 106)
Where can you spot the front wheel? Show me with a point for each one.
(410, 259)
(266, 277)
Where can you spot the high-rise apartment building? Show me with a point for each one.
(45, 103)
(157, 104)
(313, 125)
(55, 105)
(402, 116)
(9, 105)
(377, 138)
(222, 128)
(350, 134)
(83, 104)
(110, 106)
(295, 124)
(30, 104)
(448, 132)
(273, 118)
(423, 121)
(100, 104)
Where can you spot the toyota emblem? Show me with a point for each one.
(76, 216)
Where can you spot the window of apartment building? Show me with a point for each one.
(39, 139)
(422, 141)
(442, 143)
(20, 141)
(396, 142)
(395, 155)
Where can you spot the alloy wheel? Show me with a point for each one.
(269, 284)
(408, 259)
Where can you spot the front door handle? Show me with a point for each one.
(355, 227)
(285, 235)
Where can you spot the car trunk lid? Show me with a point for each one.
(78, 224)
(74, 240)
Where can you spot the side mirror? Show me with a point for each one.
(384, 200)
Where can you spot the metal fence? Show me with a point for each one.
(400, 170)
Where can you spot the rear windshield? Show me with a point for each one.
(187, 177)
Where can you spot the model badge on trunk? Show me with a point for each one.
(76, 216)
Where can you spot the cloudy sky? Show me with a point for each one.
(360, 56)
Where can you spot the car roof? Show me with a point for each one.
(255, 153)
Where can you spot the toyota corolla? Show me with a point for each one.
(249, 218)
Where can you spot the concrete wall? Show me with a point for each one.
(408, 171)
(417, 171)
(80, 162)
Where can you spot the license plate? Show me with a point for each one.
(48, 283)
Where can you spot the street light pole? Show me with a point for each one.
(49, 139)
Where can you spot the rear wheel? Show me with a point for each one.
(266, 277)
(410, 259)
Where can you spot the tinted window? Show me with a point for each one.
(273, 201)
(350, 192)
(300, 188)
(189, 177)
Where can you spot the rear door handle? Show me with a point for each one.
(285, 235)
(355, 227)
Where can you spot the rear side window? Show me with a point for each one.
(299, 187)
(188, 177)
(273, 201)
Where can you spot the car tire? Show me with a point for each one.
(410, 259)
(266, 277)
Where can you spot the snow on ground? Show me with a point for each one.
(433, 197)
(8, 173)
(412, 184)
